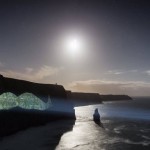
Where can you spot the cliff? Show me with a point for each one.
(20, 100)
(19, 93)
(82, 99)
(115, 97)
(42, 91)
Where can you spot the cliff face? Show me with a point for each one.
(18, 118)
(115, 97)
(82, 99)
(56, 92)
(42, 91)
(63, 103)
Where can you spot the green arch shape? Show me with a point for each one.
(26, 100)
(8, 100)
(30, 101)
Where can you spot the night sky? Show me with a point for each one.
(114, 56)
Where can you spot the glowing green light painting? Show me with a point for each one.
(7, 100)
(26, 100)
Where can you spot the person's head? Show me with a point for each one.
(96, 110)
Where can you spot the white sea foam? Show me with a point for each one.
(144, 143)
(146, 137)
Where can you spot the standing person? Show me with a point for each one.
(96, 116)
(97, 119)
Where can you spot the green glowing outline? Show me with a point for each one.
(26, 100)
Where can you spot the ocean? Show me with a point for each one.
(126, 126)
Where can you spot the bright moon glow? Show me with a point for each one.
(73, 46)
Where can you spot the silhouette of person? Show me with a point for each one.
(96, 118)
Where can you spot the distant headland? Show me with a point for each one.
(82, 99)
(111, 97)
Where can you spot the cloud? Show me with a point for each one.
(147, 72)
(112, 87)
(118, 72)
(46, 71)
(32, 75)
(133, 71)
(29, 70)
(114, 72)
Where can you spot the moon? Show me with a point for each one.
(73, 46)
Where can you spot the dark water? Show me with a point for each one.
(126, 126)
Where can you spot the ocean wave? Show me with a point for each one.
(144, 143)
(146, 137)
